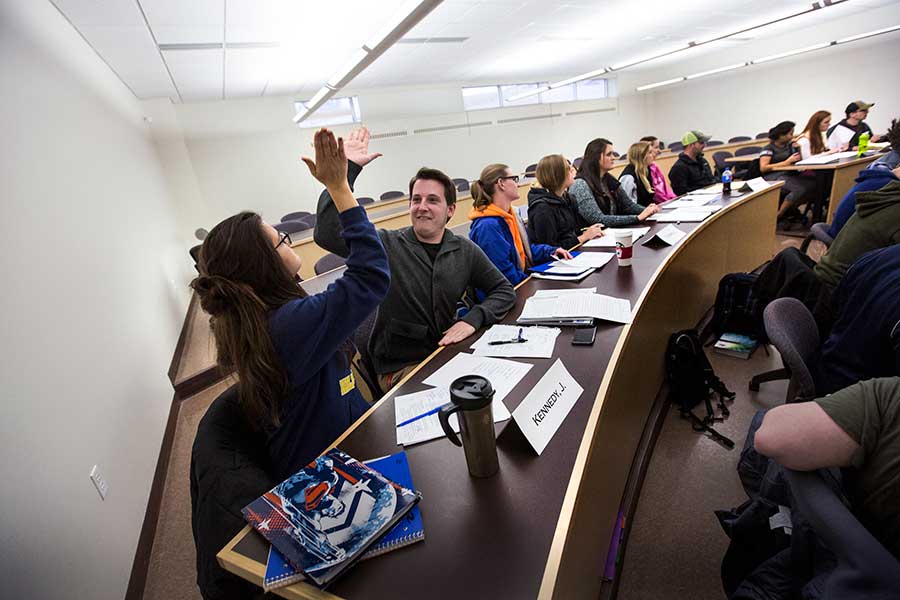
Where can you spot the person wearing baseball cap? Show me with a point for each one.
(847, 132)
(691, 171)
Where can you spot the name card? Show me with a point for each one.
(754, 185)
(545, 408)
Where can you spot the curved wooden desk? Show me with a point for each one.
(541, 527)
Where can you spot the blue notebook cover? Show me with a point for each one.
(547, 265)
(327, 515)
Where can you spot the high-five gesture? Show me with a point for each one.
(357, 147)
(330, 167)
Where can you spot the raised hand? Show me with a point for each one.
(357, 147)
(330, 166)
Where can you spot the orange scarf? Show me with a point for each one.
(492, 211)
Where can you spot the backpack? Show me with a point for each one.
(691, 381)
(736, 308)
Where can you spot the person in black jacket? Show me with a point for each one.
(691, 171)
(552, 216)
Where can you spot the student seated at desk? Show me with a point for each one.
(497, 229)
(636, 176)
(598, 195)
(891, 160)
(811, 142)
(552, 215)
(857, 428)
(691, 171)
(868, 180)
(431, 271)
(847, 132)
(865, 339)
(662, 191)
(288, 348)
(781, 152)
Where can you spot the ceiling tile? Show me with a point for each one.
(197, 73)
(247, 71)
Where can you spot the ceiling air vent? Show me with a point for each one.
(388, 134)
(591, 111)
(534, 118)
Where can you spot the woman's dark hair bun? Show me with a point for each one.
(217, 294)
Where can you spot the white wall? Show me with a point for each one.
(94, 293)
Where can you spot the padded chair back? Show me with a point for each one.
(865, 568)
(392, 195)
(763, 135)
(295, 216)
(530, 170)
(818, 231)
(719, 159)
(361, 339)
(577, 162)
(462, 185)
(714, 143)
(675, 146)
(292, 226)
(739, 138)
(792, 329)
(748, 150)
(329, 262)
(365, 200)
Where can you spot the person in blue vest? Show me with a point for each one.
(290, 349)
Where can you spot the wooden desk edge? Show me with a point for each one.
(828, 166)
(551, 569)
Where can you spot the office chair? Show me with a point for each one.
(865, 568)
(295, 216)
(329, 262)
(818, 231)
(392, 195)
(739, 138)
(793, 331)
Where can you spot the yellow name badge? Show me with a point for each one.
(347, 384)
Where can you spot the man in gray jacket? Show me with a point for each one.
(431, 270)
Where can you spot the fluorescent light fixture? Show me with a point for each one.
(660, 84)
(862, 36)
(714, 71)
(400, 23)
(791, 53)
(578, 78)
(314, 103)
(353, 67)
(529, 93)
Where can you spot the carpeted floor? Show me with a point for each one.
(689, 477)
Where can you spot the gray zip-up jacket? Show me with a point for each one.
(422, 300)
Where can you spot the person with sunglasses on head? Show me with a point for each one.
(497, 228)
(598, 195)
(431, 268)
(290, 350)
(552, 215)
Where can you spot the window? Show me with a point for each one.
(337, 111)
(497, 96)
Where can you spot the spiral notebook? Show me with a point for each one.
(280, 573)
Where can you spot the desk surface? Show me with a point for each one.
(841, 163)
(540, 527)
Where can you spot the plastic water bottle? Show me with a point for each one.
(726, 181)
(863, 142)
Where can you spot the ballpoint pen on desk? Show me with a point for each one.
(517, 340)
(433, 411)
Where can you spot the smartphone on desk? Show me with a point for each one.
(584, 336)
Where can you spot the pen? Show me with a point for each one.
(519, 339)
(433, 411)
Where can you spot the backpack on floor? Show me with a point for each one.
(691, 381)
(736, 309)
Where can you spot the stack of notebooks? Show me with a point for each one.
(576, 268)
(333, 512)
(736, 345)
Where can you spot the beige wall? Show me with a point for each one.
(93, 298)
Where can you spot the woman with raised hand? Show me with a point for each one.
(662, 191)
(497, 229)
(288, 348)
(598, 195)
(552, 216)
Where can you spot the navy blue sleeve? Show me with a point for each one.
(309, 330)
(327, 232)
(489, 236)
(542, 253)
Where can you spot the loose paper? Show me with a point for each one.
(597, 306)
(754, 185)
(685, 215)
(544, 409)
(503, 375)
(563, 292)
(540, 342)
(588, 259)
(668, 235)
(428, 428)
(688, 201)
(609, 240)
(824, 159)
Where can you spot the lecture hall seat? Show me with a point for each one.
(675, 147)
(719, 160)
(530, 170)
(365, 200)
(714, 143)
(292, 226)
(748, 150)
(793, 331)
(818, 231)
(763, 135)
(392, 195)
(577, 162)
(739, 138)
(295, 216)
(329, 262)
(462, 185)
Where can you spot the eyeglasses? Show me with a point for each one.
(284, 237)
(513, 177)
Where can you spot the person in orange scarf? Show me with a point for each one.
(497, 228)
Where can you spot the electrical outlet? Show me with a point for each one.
(99, 482)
